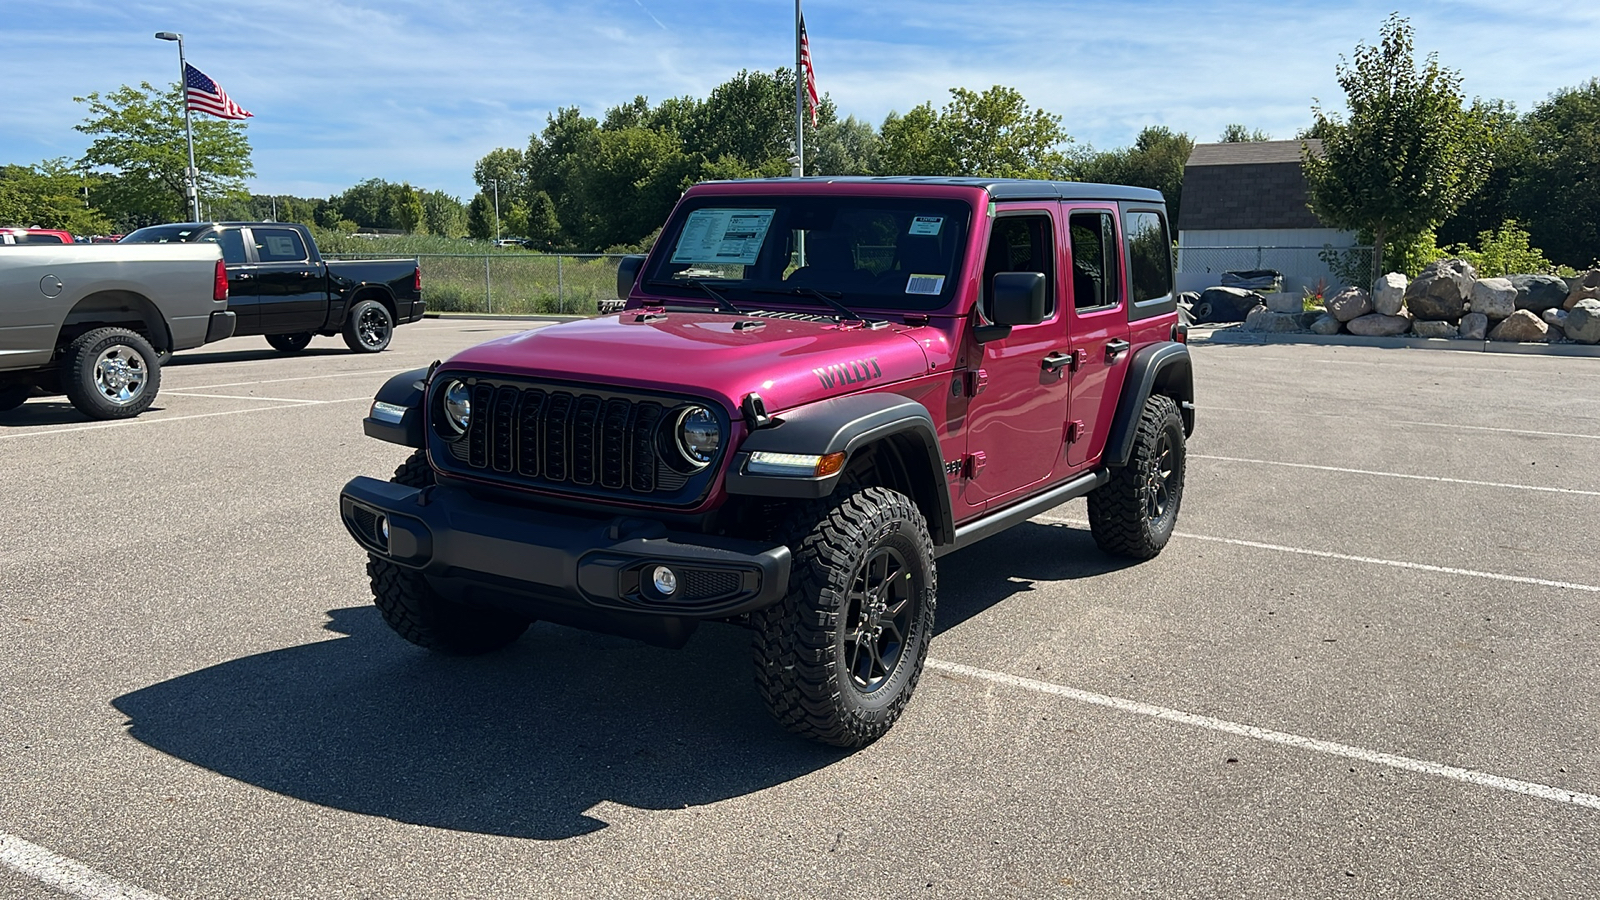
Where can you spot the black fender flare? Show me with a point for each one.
(1163, 368)
(406, 393)
(851, 424)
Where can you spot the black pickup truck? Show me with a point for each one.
(279, 285)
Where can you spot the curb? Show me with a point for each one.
(528, 317)
(1232, 335)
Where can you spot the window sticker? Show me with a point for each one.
(727, 236)
(926, 224)
(281, 247)
(925, 284)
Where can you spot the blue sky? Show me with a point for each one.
(418, 90)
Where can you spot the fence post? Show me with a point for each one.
(561, 302)
(488, 292)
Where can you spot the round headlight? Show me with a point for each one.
(699, 435)
(458, 407)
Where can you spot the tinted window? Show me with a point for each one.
(1149, 256)
(167, 234)
(1021, 244)
(278, 245)
(1096, 277)
(232, 241)
(41, 239)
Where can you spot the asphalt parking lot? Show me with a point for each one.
(1364, 667)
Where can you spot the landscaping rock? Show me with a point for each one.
(1474, 326)
(1583, 321)
(1429, 328)
(1285, 302)
(1494, 297)
(1389, 294)
(1520, 326)
(1378, 325)
(1225, 304)
(1264, 320)
(1325, 324)
(1442, 290)
(1350, 303)
(1537, 293)
(1583, 287)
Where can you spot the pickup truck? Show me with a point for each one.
(281, 287)
(95, 321)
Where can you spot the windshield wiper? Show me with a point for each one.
(844, 312)
(722, 302)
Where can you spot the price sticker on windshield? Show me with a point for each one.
(925, 284)
(926, 225)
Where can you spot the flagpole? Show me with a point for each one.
(799, 100)
(188, 119)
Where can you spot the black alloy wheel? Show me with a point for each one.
(369, 327)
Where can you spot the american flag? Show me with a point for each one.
(205, 95)
(811, 74)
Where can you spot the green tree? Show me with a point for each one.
(993, 134)
(505, 167)
(1410, 152)
(481, 217)
(49, 195)
(1496, 199)
(1558, 191)
(1238, 134)
(1155, 160)
(849, 147)
(443, 214)
(139, 139)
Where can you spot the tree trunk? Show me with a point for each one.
(1377, 254)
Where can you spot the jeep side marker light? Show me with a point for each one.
(665, 581)
(794, 464)
(388, 412)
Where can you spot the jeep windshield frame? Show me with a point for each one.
(873, 252)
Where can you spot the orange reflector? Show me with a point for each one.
(830, 464)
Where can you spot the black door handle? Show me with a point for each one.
(1115, 349)
(242, 277)
(1056, 361)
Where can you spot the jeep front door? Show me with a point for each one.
(1018, 399)
(1097, 325)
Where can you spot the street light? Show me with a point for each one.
(188, 118)
(496, 184)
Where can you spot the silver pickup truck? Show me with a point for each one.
(95, 321)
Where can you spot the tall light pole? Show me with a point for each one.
(496, 184)
(188, 118)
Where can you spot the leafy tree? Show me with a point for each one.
(376, 203)
(443, 214)
(1155, 160)
(139, 137)
(1496, 199)
(544, 228)
(1238, 134)
(912, 145)
(1558, 192)
(49, 195)
(1504, 251)
(1410, 153)
(849, 147)
(480, 217)
(504, 166)
(993, 133)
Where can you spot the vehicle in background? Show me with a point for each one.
(95, 322)
(281, 287)
(9, 236)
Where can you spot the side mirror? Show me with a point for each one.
(1018, 298)
(628, 273)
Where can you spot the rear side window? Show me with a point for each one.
(278, 245)
(1096, 274)
(232, 242)
(42, 239)
(1149, 256)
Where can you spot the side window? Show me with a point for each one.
(1096, 275)
(232, 242)
(1021, 244)
(1149, 256)
(278, 245)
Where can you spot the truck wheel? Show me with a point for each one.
(14, 396)
(290, 343)
(422, 615)
(838, 657)
(1133, 514)
(369, 327)
(110, 373)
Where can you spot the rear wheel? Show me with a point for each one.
(369, 327)
(422, 615)
(290, 343)
(110, 373)
(1134, 513)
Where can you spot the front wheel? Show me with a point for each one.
(422, 615)
(290, 343)
(839, 656)
(110, 373)
(1133, 514)
(369, 327)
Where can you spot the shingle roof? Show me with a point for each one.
(1254, 185)
(1246, 152)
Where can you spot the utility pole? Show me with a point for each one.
(188, 117)
(496, 184)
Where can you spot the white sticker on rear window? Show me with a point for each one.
(926, 224)
(925, 284)
(728, 236)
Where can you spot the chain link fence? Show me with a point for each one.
(510, 283)
(1301, 267)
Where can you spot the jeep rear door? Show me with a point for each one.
(1097, 326)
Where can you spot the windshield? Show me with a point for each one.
(168, 234)
(868, 252)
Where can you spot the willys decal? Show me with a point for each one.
(853, 372)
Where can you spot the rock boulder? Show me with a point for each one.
(1262, 319)
(1325, 324)
(1520, 326)
(1389, 294)
(1350, 303)
(1537, 293)
(1442, 290)
(1474, 326)
(1494, 297)
(1378, 325)
(1584, 287)
(1430, 328)
(1583, 322)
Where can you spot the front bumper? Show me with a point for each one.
(540, 561)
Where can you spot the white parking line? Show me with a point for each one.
(1330, 748)
(1257, 412)
(1371, 560)
(128, 423)
(236, 397)
(1495, 484)
(66, 875)
(207, 387)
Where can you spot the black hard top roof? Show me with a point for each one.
(998, 188)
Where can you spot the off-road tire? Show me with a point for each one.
(1134, 513)
(807, 668)
(422, 615)
(369, 327)
(290, 343)
(110, 373)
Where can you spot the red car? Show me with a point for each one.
(35, 236)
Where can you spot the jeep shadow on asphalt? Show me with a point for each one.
(525, 742)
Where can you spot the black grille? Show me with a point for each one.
(591, 442)
(708, 584)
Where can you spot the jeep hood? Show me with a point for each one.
(789, 362)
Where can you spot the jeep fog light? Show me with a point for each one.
(794, 464)
(383, 529)
(665, 581)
